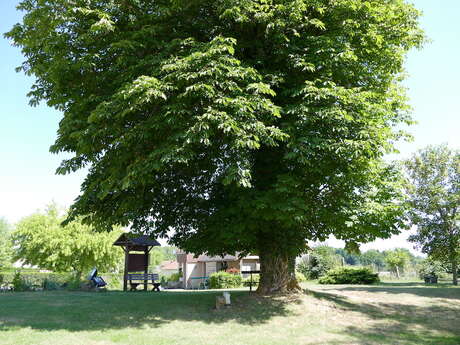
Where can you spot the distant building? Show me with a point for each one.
(196, 270)
(169, 267)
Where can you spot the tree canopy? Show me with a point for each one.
(5, 244)
(40, 240)
(242, 125)
(433, 192)
(397, 259)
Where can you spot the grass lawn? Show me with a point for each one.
(389, 313)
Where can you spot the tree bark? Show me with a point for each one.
(454, 272)
(276, 273)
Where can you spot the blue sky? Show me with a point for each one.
(27, 180)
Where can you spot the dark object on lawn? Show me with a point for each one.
(142, 277)
(98, 282)
(431, 279)
(136, 263)
(251, 282)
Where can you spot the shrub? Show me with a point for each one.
(320, 260)
(255, 280)
(114, 280)
(300, 277)
(49, 284)
(350, 275)
(19, 283)
(225, 280)
(175, 277)
(430, 268)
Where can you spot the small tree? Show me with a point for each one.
(397, 260)
(320, 260)
(42, 241)
(433, 196)
(5, 244)
(430, 267)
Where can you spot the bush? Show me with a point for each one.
(175, 277)
(300, 277)
(350, 275)
(255, 280)
(19, 283)
(114, 280)
(320, 260)
(35, 280)
(224, 280)
(430, 268)
(49, 284)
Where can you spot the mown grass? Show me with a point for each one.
(388, 313)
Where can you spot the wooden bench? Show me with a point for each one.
(136, 279)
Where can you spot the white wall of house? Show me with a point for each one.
(194, 270)
(210, 268)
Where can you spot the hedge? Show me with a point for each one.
(32, 280)
(350, 275)
(224, 280)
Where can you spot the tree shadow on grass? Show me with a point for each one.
(391, 323)
(80, 311)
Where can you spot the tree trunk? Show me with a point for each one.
(454, 272)
(276, 273)
(397, 272)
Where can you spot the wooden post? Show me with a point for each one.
(125, 275)
(146, 266)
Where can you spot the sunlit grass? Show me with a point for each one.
(388, 313)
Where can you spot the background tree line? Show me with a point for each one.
(42, 241)
(323, 258)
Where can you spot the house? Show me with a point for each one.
(169, 267)
(196, 270)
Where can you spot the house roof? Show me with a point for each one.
(169, 265)
(190, 258)
(135, 241)
(205, 258)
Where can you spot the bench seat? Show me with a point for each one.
(136, 279)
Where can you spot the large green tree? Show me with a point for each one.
(40, 240)
(5, 244)
(242, 125)
(433, 191)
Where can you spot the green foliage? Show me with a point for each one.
(225, 280)
(19, 283)
(319, 260)
(430, 268)
(266, 122)
(74, 283)
(174, 277)
(397, 260)
(40, 240)
(6, 251)
(350, 275)
(373, 258)
(160, 254)
(255, 280)
(433, 190)
(300, 277)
